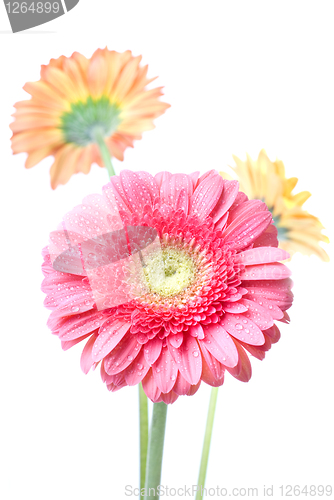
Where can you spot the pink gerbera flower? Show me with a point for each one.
(169, 279)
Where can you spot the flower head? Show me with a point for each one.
(75, 98)
(298, 231)
(170, 280)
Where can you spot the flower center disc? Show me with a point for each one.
(169, 272)
(79, 123)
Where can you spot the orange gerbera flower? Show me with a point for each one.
(298, 230)
(77, 99)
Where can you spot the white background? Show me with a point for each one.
(240, 76)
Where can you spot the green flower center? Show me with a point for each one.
(169, 272)
(79, 124)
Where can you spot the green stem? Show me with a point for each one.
(206, 444)
(143, 433)
(98, 137)
(155, 451)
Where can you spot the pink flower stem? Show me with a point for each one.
(143, 433)
(206, 444)
(155, 451)
(97, 136)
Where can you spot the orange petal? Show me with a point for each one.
(33, 121)
(38, 155)
(65, 165)
(126, 79)
(46, 95)
(72, 68)
(97, 73)
(39, 138)
(23, 111)
(61, 82)
(136, 126)
(85, 159)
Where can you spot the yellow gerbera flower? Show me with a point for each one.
(79, 101)
(298, 231)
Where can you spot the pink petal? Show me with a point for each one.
(86, 361)
(258, 314)
(169, 398)
(268, 238)
(110, 334)
(150, 183)
(194, 388)
(258, 351)
(152, 350)
(122, 355)
(206, 196)
(194, 179)
(182, 201)
(171, 188)
(67, 344)
(81, 324)
(67, 302)
(274, 311)
(165, 371)
(234, 307)
(243, 370)
(243, 211)
(242, 329)
(273, 333)
(207, 376)
(219, 343)
(240, 198)
(135, 373)
(277, 290)
(175, 340)
(181, 386)
(188, 359)
(220, 225)
(275, 271)
(214, 366)
(261, 255)
(115, 195)
(150, 387)
(137, 192)
(227, 197)
(246, 232)
(162, 177)
(196, 331)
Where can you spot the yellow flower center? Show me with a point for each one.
(169, 272)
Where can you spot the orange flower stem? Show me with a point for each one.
(97, 136)
(206, 444)
(143, 433)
